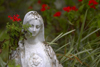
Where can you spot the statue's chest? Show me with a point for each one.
(36, 56)
(38, 49)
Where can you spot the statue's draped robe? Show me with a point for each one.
(50, 56)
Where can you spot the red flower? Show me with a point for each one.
(15, 18)
(44, 7)
(30, 7)
(17, 15)
(67, 9)
(92, 4)
(79, 0)
(57, 14)
(39, 1)
(74, 8)
(9, 16)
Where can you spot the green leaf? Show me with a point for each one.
(2, 63)
(80, 36)
(2, 8)
(98, 23)
(18, 66)
(81, 7)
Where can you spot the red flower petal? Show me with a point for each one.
(39, 1)
(74, 8)
(57, 14)
(95, 3)
(68, 9)
(30, 7)
(9, 16)
(15, 18)
(19, 19)
(44, 5)
(92, 4)
(43, 9)
(17, 15)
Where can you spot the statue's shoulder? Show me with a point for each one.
(49, 49)
(52, 55)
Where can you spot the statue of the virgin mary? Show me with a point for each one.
(33, 51)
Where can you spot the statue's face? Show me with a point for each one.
(35, 27)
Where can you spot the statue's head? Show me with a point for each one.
(37, 25)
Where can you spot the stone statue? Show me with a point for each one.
(33, 51)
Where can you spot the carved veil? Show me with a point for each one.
(33, 15)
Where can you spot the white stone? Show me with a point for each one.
(33, 52)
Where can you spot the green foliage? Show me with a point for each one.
(15, 32)
(12, 64)
(75, 35)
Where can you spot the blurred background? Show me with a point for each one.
(80, 48)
